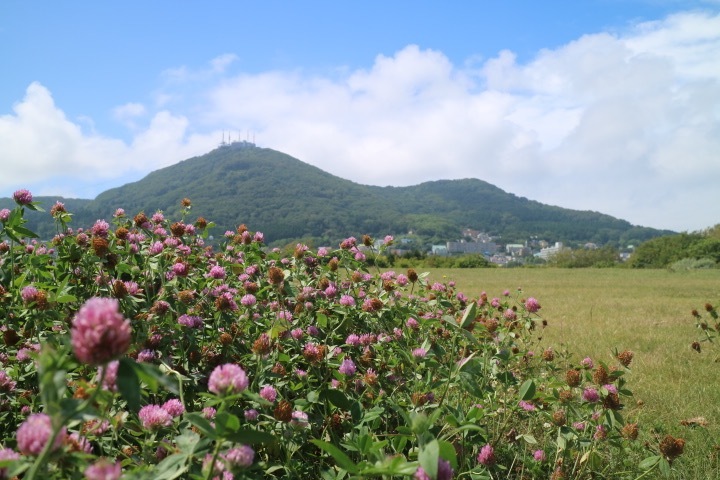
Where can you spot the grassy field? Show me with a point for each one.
(592, 311)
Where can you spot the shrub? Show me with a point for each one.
(692, 264)
(245, 362)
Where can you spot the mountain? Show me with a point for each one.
(289, 200)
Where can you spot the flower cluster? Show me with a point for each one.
(200, 359)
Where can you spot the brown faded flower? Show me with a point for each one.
(630, 431)
(262, 345)
(283, 411)
(672, 447)
(185, 202)
(100, 246)
(186, 296)
(276, 275)
(333, 264)
(600, 375)
(625, 357)
(566, 396)
(119, 289)
(412, 275)
(140, 219)
(612, 401)
(122, 233)
(177, 229)
(572, 377)
(548, 355)
(559, 418)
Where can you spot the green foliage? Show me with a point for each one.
(693, 264)
(583, 258)
(664, 251)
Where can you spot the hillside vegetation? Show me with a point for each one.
(289, 200)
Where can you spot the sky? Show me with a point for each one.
(604, 105)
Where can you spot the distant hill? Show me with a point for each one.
(288, 200)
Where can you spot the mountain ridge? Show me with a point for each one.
(289, 200)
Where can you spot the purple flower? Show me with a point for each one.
(79, 443)
(4, 215)
(109, 377)
(241, 456)
(100, 229)
(209, 412)
(419, 353)
(420, 474)
(412, 323)
(532, 305)
(174, 407)
(228, 379)
(299, 419)
(154, 417)
(251, 414)
(527, 406)
(22, 197)
(103, 469)
(486, 456)
(268, 393)
(28, 294)
(35, 433)
(348, 243)
(7, 454)
(587, 363)
(330, 291)
(539, 455)
(180, 269)
(100, 333)
(611, 388)
(591, 395)
(347, 301)
(248, 300)
(444, 471)
(156, 248)
(146, 356)
(217, 272)
(347, 367)
(6, 383)
(510, 314)
(191, 321)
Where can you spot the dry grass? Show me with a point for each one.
(592, 311)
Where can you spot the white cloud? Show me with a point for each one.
(626, 124)
(41, 145)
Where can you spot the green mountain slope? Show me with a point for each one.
(287, 200)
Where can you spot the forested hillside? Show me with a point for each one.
(288, 200)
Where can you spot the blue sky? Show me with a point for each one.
(605, 105)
